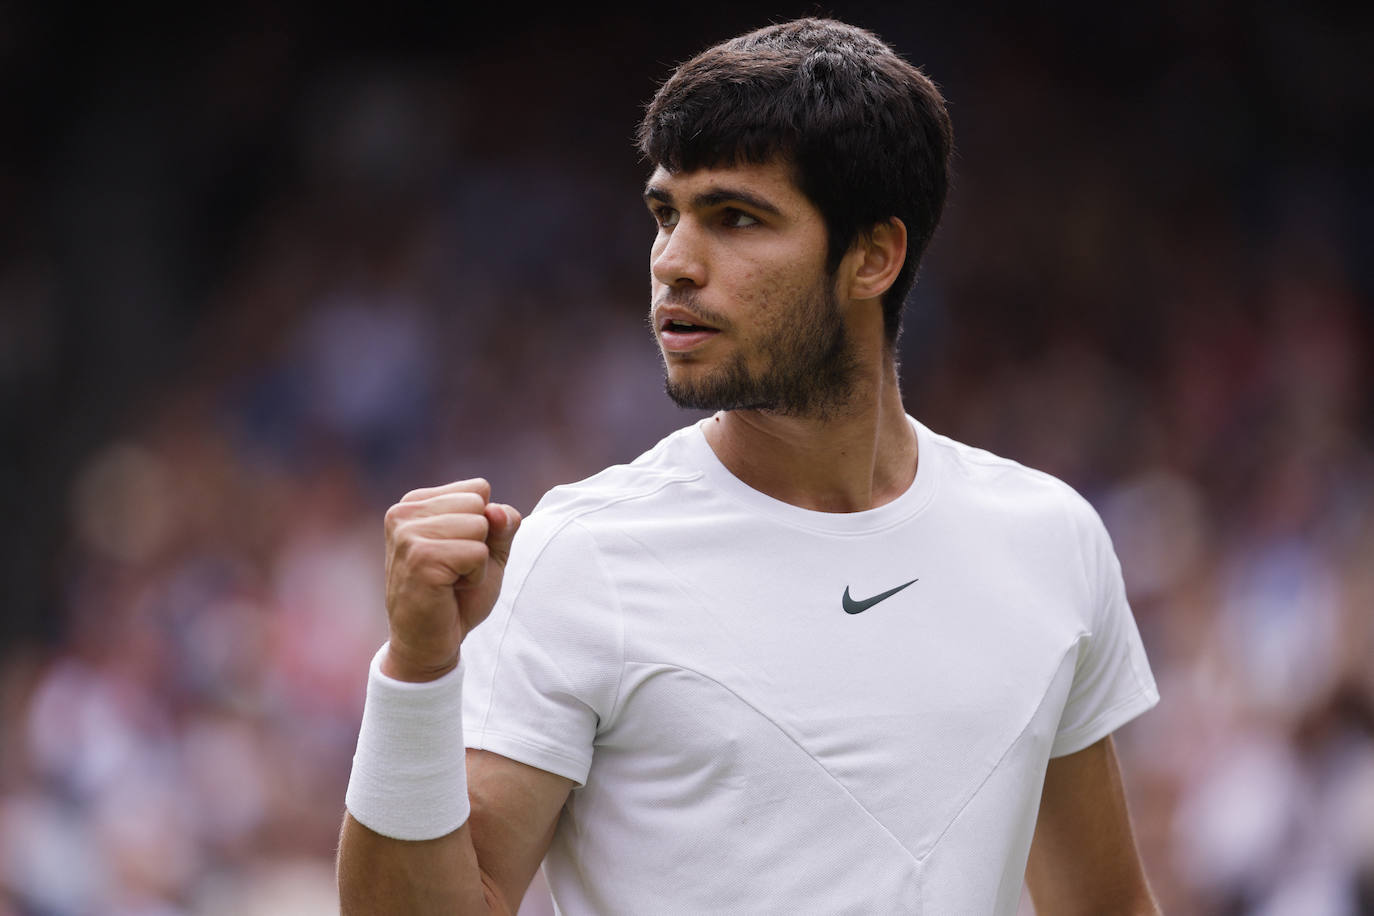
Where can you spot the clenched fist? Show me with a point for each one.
(446, 551)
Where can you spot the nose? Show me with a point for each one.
(677, 258)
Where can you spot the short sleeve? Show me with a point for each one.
(542, 671)
(1112, 683)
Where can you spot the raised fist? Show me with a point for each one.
(446, 551)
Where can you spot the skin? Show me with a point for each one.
(743, 251)
(1083, 859)
(856, 455)
(446, 552)
(799, 359)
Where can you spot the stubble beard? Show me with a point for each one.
(809, 368)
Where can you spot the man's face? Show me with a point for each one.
(744, 311)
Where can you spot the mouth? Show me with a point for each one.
(678, 334)
(680, 326)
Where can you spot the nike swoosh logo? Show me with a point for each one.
(858, 607)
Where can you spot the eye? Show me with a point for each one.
(666, 217)
(738, 219)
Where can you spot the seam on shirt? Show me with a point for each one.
(935, 844)
(972, 454)
(1089, 591)
(619, 617)
(548, 539)
(798, 745)
(1102, 601)
(495, 669)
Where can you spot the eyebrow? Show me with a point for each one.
(715, 197)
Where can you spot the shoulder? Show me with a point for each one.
(1011, 492)
(980, 469)
(664, 473)
(1034, 517)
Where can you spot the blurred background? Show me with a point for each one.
(265, 267)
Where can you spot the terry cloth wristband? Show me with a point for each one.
(409, 778)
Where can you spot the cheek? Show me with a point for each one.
(776, 291)
(758, 287)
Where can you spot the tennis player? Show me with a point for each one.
(804, 656)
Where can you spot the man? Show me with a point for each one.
(804, 656)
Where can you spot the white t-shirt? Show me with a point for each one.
(679, 645)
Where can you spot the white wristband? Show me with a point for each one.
(409, 778)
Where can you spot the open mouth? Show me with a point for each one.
(678, 335)
(684, 327)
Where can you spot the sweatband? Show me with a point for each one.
(409, 779)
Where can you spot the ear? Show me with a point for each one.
(875, 259)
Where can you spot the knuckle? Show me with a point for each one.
(478, 555)
(403, 544)
(468, 555)
(424, 553)
(395, 515)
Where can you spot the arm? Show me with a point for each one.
(1083, 858)
(446, 550)
(484, 866)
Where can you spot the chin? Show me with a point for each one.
(684, 369)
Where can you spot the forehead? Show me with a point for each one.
(773, 181)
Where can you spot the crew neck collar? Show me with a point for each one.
(915, 498)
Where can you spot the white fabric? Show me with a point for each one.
(409, 778)
(674, 642)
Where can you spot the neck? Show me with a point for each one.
(858, 457)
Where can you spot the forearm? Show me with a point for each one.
(415, 840)
(406, 845)
(379, 876)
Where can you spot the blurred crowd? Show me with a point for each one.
(333, 276)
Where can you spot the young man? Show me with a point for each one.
(804, 656)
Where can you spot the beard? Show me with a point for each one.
(805, 367)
